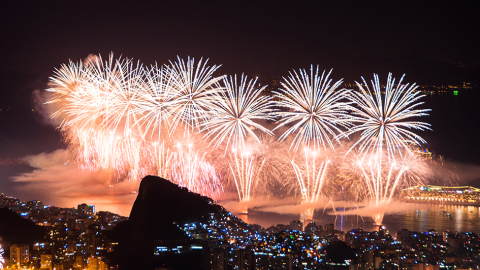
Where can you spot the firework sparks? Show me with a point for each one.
(192, 91)
(244, 173)
(383, 121)
(317, 107)
(233, 112)
(310, 175)
(2, 260)
(122, 117)
(191, 170)
(385, 127)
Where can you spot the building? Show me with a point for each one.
(296, 225)
(19, 254)
(96, 264)
(86, 209)
(242, 259)
(217, 259)
(267, 261)
(46, 261)
(34, 205)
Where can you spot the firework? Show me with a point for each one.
(310, 175)
(315, 105)
(154, 103)
(2, 260)
(192, 92)
(385, 131)
(191, 170)
(97, 101)
(244, 172)
(161, 158)
(234, 110)
(128, 119)
(384, 122)
(318, 108)
(257, 168)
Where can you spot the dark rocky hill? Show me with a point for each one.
(159, 206)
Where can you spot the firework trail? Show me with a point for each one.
(191, 170)
(319, 110)
(257, 169)
(385, 131)
(244, 173)
(2, 260)
(310, 175)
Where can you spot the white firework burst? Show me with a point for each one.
(385, 119)
(316, 105)
(234, 110)
(192, 91)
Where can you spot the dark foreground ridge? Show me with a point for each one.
(160, 206)
(16, 230)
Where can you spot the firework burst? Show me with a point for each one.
(234, 110)
(385, 131)
(384, 118)
(192, 93)
(317, 107)
(317, 112)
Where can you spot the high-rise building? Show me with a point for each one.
(46, 261)
(217, 259)
(296, 225)
(34, 205)
(80, 262)
(242, 259)
(329, 228)
(86, 209)
(92, 264)
(19, 254)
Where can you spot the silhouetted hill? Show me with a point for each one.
(16, 230)
(158, 206)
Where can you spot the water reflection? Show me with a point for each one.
(427, 217)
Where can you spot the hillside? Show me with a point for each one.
(158, 206)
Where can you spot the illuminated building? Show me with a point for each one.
(217, 259)
(241, 259)
(46, 261)
(86, 209)
(34, 205)
(80, 262)
(19, 254)
(264, 261)
(96, 264)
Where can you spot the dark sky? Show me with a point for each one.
(427, 40)
(260, 38)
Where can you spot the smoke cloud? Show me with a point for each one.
(45, 110)
(57, 180)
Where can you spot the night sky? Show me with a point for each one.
(434, 43)
(267, 38)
